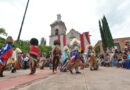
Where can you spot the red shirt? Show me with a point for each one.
(34, 50)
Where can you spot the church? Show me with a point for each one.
(58, 32)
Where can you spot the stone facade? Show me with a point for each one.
(58, 31)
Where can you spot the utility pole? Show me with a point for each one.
(22, 21)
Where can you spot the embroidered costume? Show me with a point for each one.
(34, 54)
(5, 53)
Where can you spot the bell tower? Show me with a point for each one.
(58, 27)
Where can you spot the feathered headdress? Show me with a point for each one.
(75, 42)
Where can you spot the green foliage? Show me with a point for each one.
(2, 31)
(104, 44)
(45, 49)
(107, 40)
(23, 45)
(107, 33)
(2, 42)
(96, 51)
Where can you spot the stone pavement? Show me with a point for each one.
(21, 77)
(104, 79)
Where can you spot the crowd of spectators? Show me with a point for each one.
(116, 58)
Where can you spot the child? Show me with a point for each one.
(34, 55)
(56, 55)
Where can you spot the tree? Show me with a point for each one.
(104, 43)
(107, 40)
(107, 33)
(2, 42)
(96, 49)
(23, 45)
(45, 49)
(2, 31)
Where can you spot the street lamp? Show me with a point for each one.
(22, 21)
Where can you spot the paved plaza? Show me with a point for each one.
(106, 78)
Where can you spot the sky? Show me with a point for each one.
(81, 15)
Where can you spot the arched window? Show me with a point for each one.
(56, 32)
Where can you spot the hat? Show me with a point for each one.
(9, 39)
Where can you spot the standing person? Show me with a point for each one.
(19, 60)
(65, 55)
(5, 54)
(92, 58)
(75, 61)
(51, 59)
(88, 54)
(126, 47)
(14, 59)
(34, 55)
(56, 55)
(65, 59)
(13, 62)
(25, 61)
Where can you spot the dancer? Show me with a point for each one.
(91, 58)
(75, 60)
(65, 59)
(34, 55)
(56, 55)
(5, 53)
